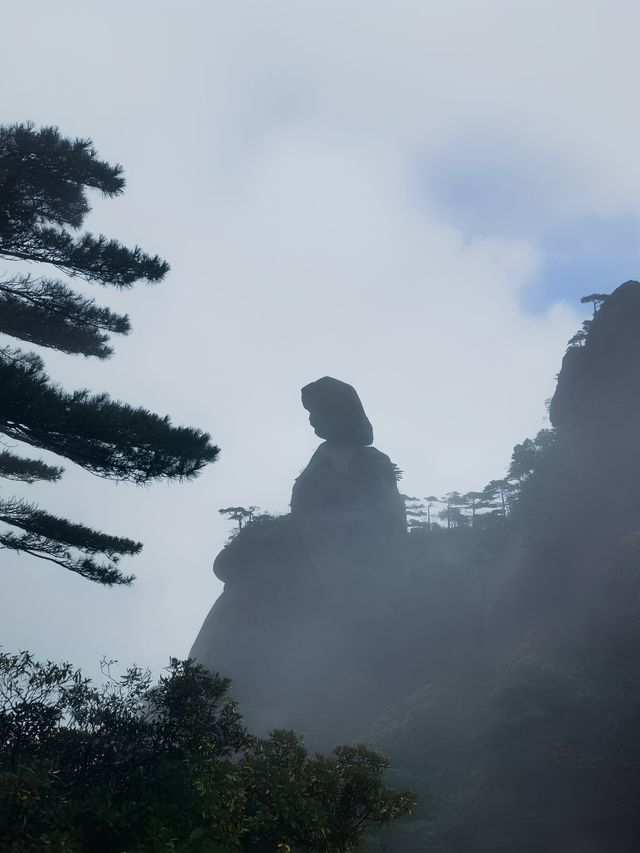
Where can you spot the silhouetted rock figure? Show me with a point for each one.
(336, 413)
(355, 483)
(309, 595)
(346, 481)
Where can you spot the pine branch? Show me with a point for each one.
(96, 259)
(108, 438)
(14, 467)
(72, 546)
(43, 178)
(48, 313)
(53, 171)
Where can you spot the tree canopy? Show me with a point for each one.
(44, 181)
(134, 766)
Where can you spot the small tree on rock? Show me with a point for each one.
(596, 299)
(241, 515)
(474, 501)
(417, 513)
(452, 512)
(431, 500)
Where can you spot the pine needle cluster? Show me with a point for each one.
(44, 181)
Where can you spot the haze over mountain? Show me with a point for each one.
(493, 655)
(412, 201)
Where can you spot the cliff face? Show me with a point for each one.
(596, 412)
(335, 589)
(308, 595)
(599, 382)
(578, 508)
(496, 666)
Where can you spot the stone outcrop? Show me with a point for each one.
(596, 412)
(586, 506)
(599, 382)
(308, 594)
(336, 413)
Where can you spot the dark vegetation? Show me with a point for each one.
(133, 766)
(44, 179)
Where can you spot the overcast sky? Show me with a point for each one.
(408, 196)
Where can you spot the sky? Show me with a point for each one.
(411, 197)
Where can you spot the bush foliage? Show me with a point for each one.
(136, 766)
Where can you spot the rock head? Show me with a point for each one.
(336, 413)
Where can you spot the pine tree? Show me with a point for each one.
(44, 179)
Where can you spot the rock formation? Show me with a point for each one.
(308, 594)
(583, 506)
(336, 413)
(495, 664)
(596, 412)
